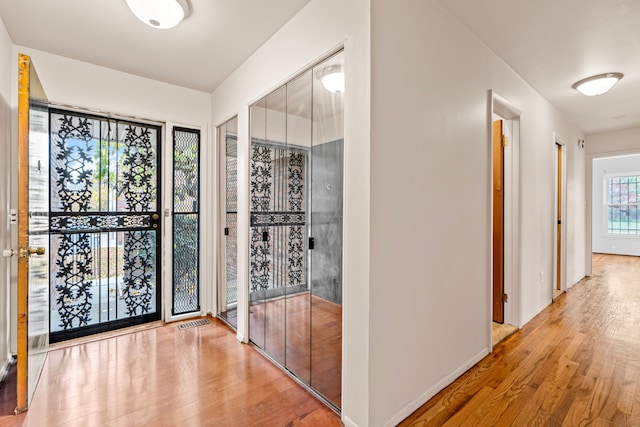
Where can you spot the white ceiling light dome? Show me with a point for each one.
(161, 14)
(597, 85)
(333, 78)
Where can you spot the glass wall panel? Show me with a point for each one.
(228, 289)
(327, 153)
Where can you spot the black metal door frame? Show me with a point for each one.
(76, 223)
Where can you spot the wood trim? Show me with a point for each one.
(24, 68)
(559, 222)
(498, 222)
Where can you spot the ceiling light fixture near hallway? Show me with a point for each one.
(333, 78)
(160, 13)
(597, 85)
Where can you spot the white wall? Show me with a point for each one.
(430, 202)
(602, 241)
(320, 28)
(6, 61)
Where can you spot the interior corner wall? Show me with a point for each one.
(430, 278)
(6, 52)
(316, 31)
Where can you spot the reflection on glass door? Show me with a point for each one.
(228, 289)
(295, 199)
(104, 224)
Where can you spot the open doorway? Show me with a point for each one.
(505, 266)
(615, 227)
(559, 217)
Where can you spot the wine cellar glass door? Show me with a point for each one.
(104, 224)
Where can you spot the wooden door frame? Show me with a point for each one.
(497, 214)
(559, 141)
(498, 107)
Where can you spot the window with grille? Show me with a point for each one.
(623, 205)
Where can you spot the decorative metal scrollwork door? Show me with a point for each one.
(104, 224)
(278, 219)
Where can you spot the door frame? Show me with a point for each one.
(500, 108)
(561, 142)
(589, 200)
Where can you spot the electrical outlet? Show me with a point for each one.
(541, 277)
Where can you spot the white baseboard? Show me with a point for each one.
(410, 408)
(348, 423)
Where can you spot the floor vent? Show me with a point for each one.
(193, 324)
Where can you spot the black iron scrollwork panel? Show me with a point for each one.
(139, 271)
(140, 193)
(73, 149)
(277, 252)
(103, 192)
(89, 222)
(186, 200)
(72, 280)
(139, 164)
(261, 178)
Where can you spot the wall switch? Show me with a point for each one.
(541, 276)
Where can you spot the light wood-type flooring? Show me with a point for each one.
(164, 376)
(575, 364)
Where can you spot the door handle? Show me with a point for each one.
(155, 217)
(25, 253)
(8, 253)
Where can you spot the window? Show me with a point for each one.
(623, 205)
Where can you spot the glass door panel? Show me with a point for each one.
(228, 289)
(298, 320)
(186, 221)
(33, 229)
(295, 264)
(327, 155)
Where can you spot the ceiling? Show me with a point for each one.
(550, 43)
(198, 54)
(554, 43)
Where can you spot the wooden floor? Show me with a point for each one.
(168, 377)
(575, 364)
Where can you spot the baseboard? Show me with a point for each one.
(411, 408)
(348, 423)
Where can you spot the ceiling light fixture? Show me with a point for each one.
(333, 79)
(160, 13)
(597, 85)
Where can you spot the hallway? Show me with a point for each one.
(576, 363)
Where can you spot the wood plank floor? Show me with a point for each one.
(168, 377)
(575, 364)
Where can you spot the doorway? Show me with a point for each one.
(560, 190)
(505, 245)
(105, 228)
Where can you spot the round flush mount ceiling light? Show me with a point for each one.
(597, 85)
(160, 13)
(333, 79)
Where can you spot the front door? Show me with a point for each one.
(105, 235)
(33, 239)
